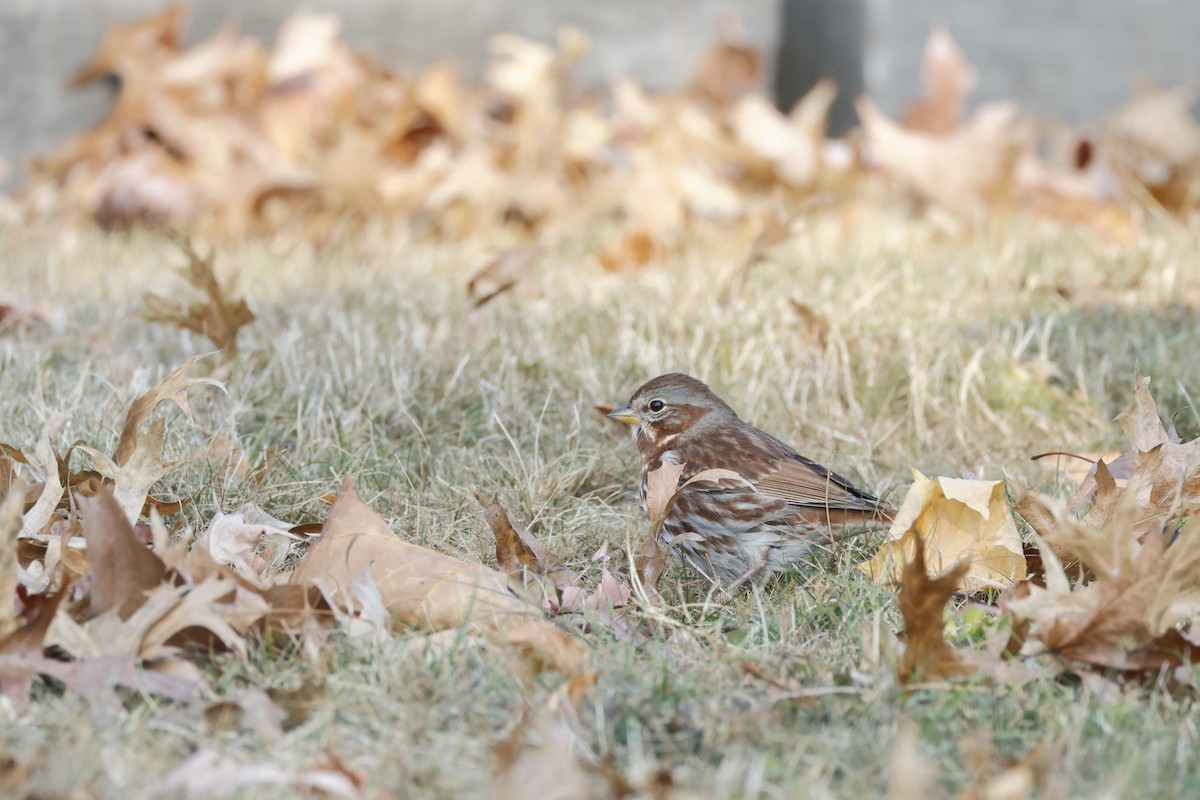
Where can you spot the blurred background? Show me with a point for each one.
(1070, 60)
(535, 119)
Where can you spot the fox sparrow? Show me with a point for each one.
(739, 533)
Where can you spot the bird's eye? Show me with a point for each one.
(657, 405)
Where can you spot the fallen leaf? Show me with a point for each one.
(219, 317)
(662, 491)
(964, 525)
(123, 569)
(949, 79)
(39, 516)
(965, 171)
(927, 656)
(21, 648)
(418, 585)
(502, 273)
(207, 773)
(232, 541)
(635, 250)
(137, 462)
(518, 552)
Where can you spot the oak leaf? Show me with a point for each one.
(927, 655)
(220, 317)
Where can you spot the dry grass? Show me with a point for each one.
(943, 353)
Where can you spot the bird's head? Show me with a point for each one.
(670, 408)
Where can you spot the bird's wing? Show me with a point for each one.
(806, 483)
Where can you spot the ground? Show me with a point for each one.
(874, 348)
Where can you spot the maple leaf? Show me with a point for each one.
(220, 317)
(961, 525)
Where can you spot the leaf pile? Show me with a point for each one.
(229, 136)
(1119, 583)
(101, 600)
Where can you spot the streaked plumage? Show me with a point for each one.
(739, 533)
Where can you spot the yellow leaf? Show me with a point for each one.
(960, 521)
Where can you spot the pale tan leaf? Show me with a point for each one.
(52, 489)
(948, 79)
(660, 489)
(419, 586)
(137, 462)
(10, 527)
(1140, 419)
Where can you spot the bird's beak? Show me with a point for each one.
(623, 415)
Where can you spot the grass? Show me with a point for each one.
(943, 353)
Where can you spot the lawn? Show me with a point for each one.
(875, 344)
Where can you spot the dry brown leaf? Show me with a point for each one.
(232, 541)
(418, 585)
(541, 646)
(21, 647)
(502, 273)
(51, 495)
(1127, 615)
(137, 462)
(1160, 124)
(219, 317)
(1140, 419)
(949, 79)
(123, 569)
(726, 70)
(10, 527)
(635, 250)
(965, 171)
(518, 552)
(962, 526)
(793, 152)
(927, 656)
(134, 42)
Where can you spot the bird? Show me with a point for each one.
(732, 531)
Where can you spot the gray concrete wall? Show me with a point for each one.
(1068, 60)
